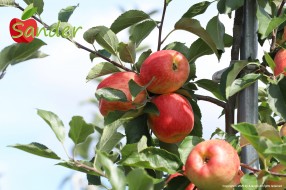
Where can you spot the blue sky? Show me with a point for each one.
(57, 83)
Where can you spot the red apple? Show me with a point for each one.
(237, 178)
(23, 31)
(212, 165)
(280, 62)
(283, 131)
(168, 70)
(120, 81)
(176, 118)
(277, 185)
(191, 186)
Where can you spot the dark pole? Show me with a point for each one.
(248, 98)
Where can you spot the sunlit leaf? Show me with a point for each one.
(105, 37)
(127, 19)
(197, 9)
(29, 11)
(65, 13)
(113, 173)
(101, 69)
(54, 122)
(79, 129)
(140, 31)
(187, 145)
(111, 94)
(194, 26)
(37, 149)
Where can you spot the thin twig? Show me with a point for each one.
(80, 46)
(79, 164)
(256, 170)
(274, 32)
(210, 99)
(161, 25)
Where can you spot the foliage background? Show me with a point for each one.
(57, 83)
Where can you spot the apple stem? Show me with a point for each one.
(80, 46)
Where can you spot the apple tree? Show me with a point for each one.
(152, 134)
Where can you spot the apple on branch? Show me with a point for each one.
(176, 118)
(167, 70)
(280, 62)
(213, 165)
(120, 81)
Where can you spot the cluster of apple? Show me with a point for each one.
(163, 72)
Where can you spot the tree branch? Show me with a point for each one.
(210, 99)
(79, 164)
(80, 46)
(161, 25)
(274, 32)
(256, 170)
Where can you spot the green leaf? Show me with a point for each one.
(110, 137)
(187, 145)
(7, 3)
(135, 88)
(19, 52)
(142, 58)
(101, 69)
(79, 129)
(28, 2)
(242, 83)
(227, 6)
(136, 128)
(269, 61)
(278, 152)
(277, 98)
(102, 52)
(29, 11)
(105, 37)
(127, 19)
(37, 149)
(268, 131)
(138, 179)
(249, 182)
(127, 52)
(111, 94)
(266, 24)
(54, 122)
(229, 76)
(64, 29)
(200, 48)
(194, 26)
(198, 128)
(180, 47)
(140, 31)
(210, 86)
(113, 173)
(39, 4)
(216, 30)
(66, 13)
(151, 108)
(197, 9)
(154, 158)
